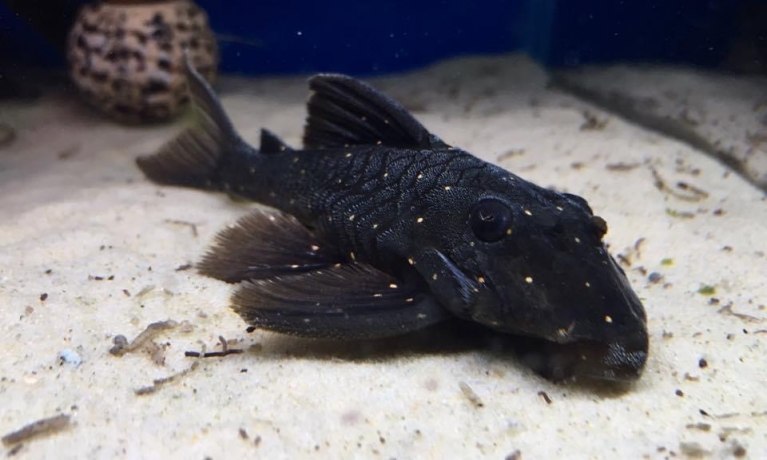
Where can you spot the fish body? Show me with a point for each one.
(386, 229)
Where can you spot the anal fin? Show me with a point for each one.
(353, 301)
(262, 245)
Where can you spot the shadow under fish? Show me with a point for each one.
(384, 229)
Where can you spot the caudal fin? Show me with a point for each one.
(195, 157)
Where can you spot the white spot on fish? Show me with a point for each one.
(294, 266)
(411, 261)
(577, 240)
(348, 155)
(393, 286)
(375, 226)
(409, 300)
(529, 279)
(560, 208)
(434, 277)
(420, 176)
(352, 256)
(421, 316)
(351, 218)
(528, 212)
(315, 248)
(587, 284)
(272, 218)
(419, 220)
(608, 319)
(447, 188)
(481, 280)
(377, 294)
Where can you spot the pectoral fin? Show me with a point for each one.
(452, 287)
(265, 244)
(354, 301)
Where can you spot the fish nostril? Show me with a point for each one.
(599, 225)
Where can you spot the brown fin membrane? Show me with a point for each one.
(344, 111)
(192, 158)
(352, 301)
(264, 244)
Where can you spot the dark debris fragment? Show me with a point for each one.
(159, 383)
(693, 449)
(510, 154)
(469, 393)
(192, 226)
(591, 122)
(121, 345)
(39, 428)
(621, 166)
(682, 190)
(727, 310)
(225, 350)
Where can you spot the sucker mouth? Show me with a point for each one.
(582, 359)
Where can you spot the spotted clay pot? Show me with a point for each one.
(126, 57)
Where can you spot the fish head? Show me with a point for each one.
(534, 264)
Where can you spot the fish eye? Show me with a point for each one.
(490, 220)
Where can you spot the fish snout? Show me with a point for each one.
(621, 359)
(625, 358)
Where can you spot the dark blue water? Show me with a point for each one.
(289, 36)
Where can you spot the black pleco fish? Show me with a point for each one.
(385, 229)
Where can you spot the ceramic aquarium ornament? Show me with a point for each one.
(127, 57)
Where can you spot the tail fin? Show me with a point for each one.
(194, 158)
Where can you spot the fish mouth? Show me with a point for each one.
(618, 361)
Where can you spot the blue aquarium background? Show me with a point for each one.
(299, 36)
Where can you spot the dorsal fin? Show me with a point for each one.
(270, 143)
(344, 111)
